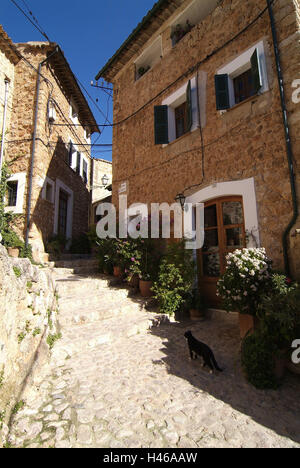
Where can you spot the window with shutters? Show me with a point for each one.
(244, 77)
(177, 115)
(12, 191)
(77, 161)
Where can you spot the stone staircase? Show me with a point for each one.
(87, 298)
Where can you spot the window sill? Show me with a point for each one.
(180, 138)
(236, 106)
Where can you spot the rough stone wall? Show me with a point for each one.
(28, 313)
(6, 71)
(51, 154)
(101, 167)
(247, 141)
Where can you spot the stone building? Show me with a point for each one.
(9, 57)
(101, 190)
(49, 142)
(197, 99)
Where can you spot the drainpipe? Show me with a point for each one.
(34, 144)
(288, 144)
(6, 81)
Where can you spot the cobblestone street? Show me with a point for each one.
(112, 383)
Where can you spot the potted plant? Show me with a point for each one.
(245, 281)
(12, 242)
(143, 70)
(279, 314)
(196, 305)
(180, 31)
(175, 278)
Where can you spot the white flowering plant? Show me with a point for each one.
(247, 278)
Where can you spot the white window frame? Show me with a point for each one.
(241, 64)
(149, 57)
(74, 154)
(175, 100)
(87, 135)
(73, 107)
(84, 158)
(20, 178)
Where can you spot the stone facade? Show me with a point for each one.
(244, 145)
(60, 137)
(101, 167)
(28, 316)
(9, 57)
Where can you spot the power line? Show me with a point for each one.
(29, 19)
(37, 26)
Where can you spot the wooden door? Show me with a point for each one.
(224, 232)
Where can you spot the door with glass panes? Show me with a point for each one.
(224, 232)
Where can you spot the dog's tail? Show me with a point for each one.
(215, 363)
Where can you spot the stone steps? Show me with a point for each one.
(126, 325)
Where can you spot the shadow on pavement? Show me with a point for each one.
(277, 410)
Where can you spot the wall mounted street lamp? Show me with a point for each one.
(104, 181)
(180, 198)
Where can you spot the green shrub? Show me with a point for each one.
(17, 271)
(56, 245)
(257, 356)
(51, 339)
(175, 278)
(81, 245)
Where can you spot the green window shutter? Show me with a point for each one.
(189, 113)
(161, 125)
(222, 92)
(255, 70)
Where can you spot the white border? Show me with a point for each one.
(244, 188)
(241, 64)
(20, 177)
(175, 100)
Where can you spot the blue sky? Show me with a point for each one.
(88, 31)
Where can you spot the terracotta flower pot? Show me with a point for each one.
(145, 288)
(248, 323)
(117, 271)
(13, 252)
(196, 314)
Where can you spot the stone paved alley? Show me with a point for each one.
(113, 382)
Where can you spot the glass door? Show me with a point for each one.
(224, 232)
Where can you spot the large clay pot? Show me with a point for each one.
(248, 323)
(117, 271)
(145, 288)
(196, 314)
(13, 252)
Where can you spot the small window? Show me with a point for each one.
(243, 86)
(12, 192)
(84, 171)
(181, 120)
(178, 115)
(49, 192)
(73, 112)
(242, 78)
